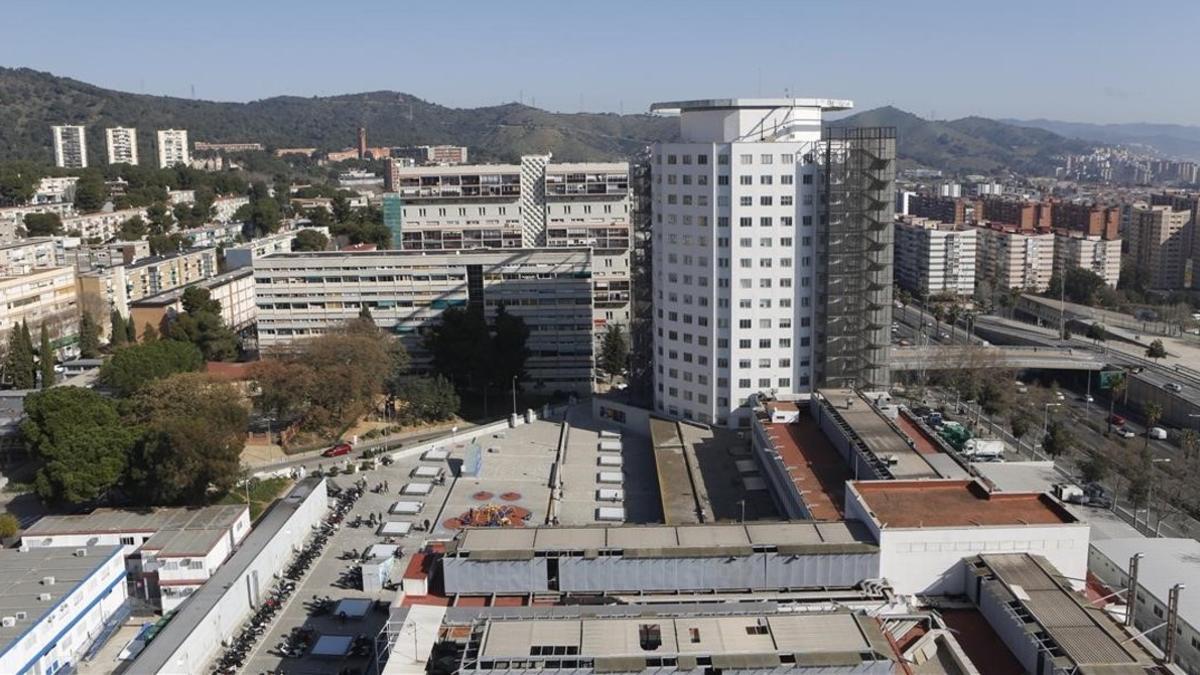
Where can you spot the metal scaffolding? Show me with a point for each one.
(854, 288)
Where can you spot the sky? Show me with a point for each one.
(1095, 61)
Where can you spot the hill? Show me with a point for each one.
(1177, 141)
(970, 144)
(32, 101)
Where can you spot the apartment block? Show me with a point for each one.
(55, 190)
(40, 297)
(12, 219)
(534, 204)
(1158, 239)
(234, 290)
(100, 226)
(1093, 253)
(114, 288)
(772, 255)
(1008, 258)
(305, 294)
(943, 209)
(1025, 216)
(173, 148)
(121, 143)
(934, 258)
(24, 256)
(70, 147)
(1089, 219)
(243, 255)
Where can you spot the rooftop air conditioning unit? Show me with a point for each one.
(44, 597)
(8, 621)
(21, 616)
(81, 553)
(48, 581)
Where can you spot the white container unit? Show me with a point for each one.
(609, 460)
(610, 477)
(407, 508)
(395, 528)
(611, 514)
(610, 445)
(416, 489)
(610, 495)
(435, 455)
(426, 472)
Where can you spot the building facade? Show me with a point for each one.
(935, 258)
(1092, 253)
(113, 288)
(536, 204)
(26, 255)
(173, 148)
(1007, 258)
(40, 297)
(234, 290)
(305, 294)
(1159, 244)
(100, 226)
(70, 147)
(122, 146)
(763, 237)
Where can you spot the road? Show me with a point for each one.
(310, 460)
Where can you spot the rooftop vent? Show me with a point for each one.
(81, 553)
(48, 581)
(44, 597)
(8, 621)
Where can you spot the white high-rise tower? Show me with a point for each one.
(70, 147)
(122, 145)
(173, 148)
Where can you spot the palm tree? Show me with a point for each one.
(1113, 393)
(1154, 413)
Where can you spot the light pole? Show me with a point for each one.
(1150, 496)
(1046, 418)
(514, 394)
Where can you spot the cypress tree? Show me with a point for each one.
(89, 337)
(46, 358)
(119, 334)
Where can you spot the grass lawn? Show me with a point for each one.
(262, 494)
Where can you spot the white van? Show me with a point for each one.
(1158, 433)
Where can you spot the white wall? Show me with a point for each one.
(929, 560)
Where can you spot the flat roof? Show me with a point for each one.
(954, 503)
(154, 658)
(814, 465)
(21, 575)
(882, 437)
(1166, 562)
(153, 260)
(173, 532)
(661, 540)
(829, 104)
(1086, 634)
(830, 638)
(682, 501)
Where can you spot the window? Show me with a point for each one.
(785, 200)
(127, 541)
(745, 363)
(745, 159)
(807, 179)
(766, 180)
(785, 179)
(785, 221)
(764, 201)
(787, 158)
(764, 382)
(722, 159)
(765, 221)
(767, 159)
(744, 383)
(785, 382)
(745, 180)
(746, 201)
(722, 180)
(722, 221)
(745, 221)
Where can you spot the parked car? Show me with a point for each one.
(337, 450)
(1087, 398)
(1125, 432)
(1158, 433)
(1059, 396)
(1173, 386)
(1116, 420)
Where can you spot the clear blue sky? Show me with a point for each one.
(1087, 61)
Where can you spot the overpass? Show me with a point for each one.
(954, 357)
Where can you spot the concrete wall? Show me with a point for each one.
(929, 560)
(609, 411)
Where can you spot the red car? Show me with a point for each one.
(337, 450)
(1116, 420)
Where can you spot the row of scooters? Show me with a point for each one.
(235, 655)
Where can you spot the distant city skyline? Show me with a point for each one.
(1098, 61)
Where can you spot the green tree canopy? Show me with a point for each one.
(1156, 350)
(43, 224)
(424, 399)
(310, 240)
(1059, 440)
(132, 229)
(195, 430)
(201, 324)
(45, 358)
(90, 192)
(614, 351)
(20, 366)
(1083, 285)
(135, 366)
(81, 441)
(89, 337)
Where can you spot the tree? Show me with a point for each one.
(283, 388)
(118, 335)
(43, 224)
(1189, 443)
(1019, 425)
(509, 353)
(1058, 440)
(46, 358)
(614, 352)
(364, 313)
(132, 229)
(1095, 332)
(1082, 285)
(201, 324)
(135, 366)
(195, 430)
(342, 212)
(149, 332)
(1156, 350)
(89, 337)
(9, 526)
(1140, 478)
(165, 244)
(1094, 466)
(80, 440)
(1154, 413)
(20, 367)
(90, 192)
(310, 240)
(426, 399)
(461, 347)
(995, 394)
(18, 183)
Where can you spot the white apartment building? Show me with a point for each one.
(1008, 258)
(747, 297)
(305, 294)
(1103, 256)
(225, 207)
(122, 145)
(40, 296)
(55, 604)
(280, 242)
(12, 219)
(100, 226)
(26, 255)
(114, 288)
(234, 290)
(534, 204)
(935, 258)
(70, 147)
(55, 189)
(173, 148)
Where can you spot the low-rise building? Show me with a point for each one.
(224, 208)
(169, 552)
(934, 258)
(1161, 565)
(55, 603)
(215, 234)
(233, 289)
(280, 242)
(112, 288)
(305, 294)
(55, 189)
(12, 219)
(100, 226)
(1008, 258)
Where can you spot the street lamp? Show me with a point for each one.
(1046, 417)
(514, 395)
(1150, 496)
